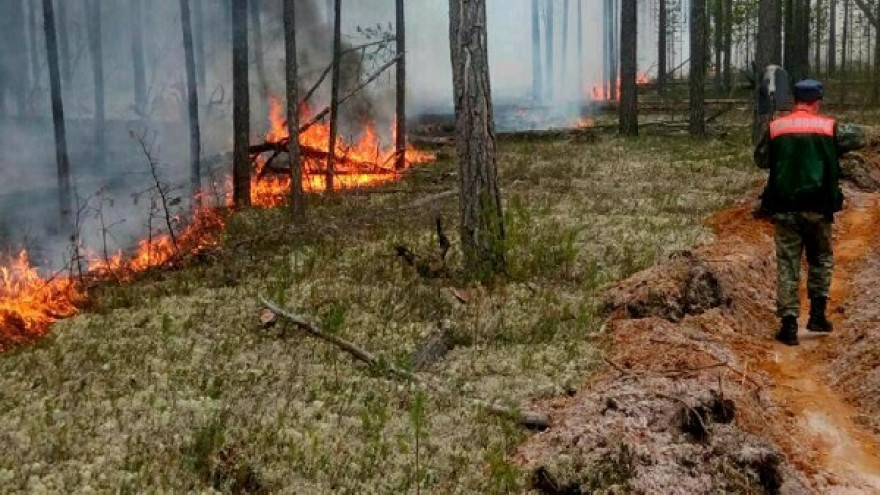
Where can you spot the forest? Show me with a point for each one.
(463, 246)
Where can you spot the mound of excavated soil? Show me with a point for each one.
(698, 398)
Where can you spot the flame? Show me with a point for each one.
(362, 163)
(602, 92)
(29, 303)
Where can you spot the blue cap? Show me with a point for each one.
(808, 91)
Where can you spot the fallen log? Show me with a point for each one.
(529, 419)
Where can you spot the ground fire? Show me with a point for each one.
(30, 302)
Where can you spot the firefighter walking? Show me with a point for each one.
(803, 193)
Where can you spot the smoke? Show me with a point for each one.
(114, 210)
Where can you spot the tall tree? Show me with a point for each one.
(832, 37)
(628, 110)
(662, 46)
(135, 10)
(769, 45)
(241, 177)
(297, 197)
(61, 159)
(698, 68)
(400, 130)
(259, 56)
(537, 70)
(580, 49)
(334, 95)
(96, 52)
(873, 16)
(563, 69)
(482, 220)
(192, 96)
(32, 38)
(875, 91)
(797, 40)
(817, 31)
(13, 59)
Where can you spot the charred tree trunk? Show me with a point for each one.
(199, 44)
(334, 97)
(240, 106)
(96, 51)
(628, 110)
(192, 96)
(62, 163)
(400, 129)
(832, 37)
(64, 43)
(661, 47)
(537, 69)
(549, 78)
(698, 68)
(297, 196)
(137, 56)
(482, 221)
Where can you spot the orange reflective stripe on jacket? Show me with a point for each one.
(802, 123)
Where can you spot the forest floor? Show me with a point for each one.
(172, 383)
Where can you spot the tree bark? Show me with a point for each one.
(297, 196)
(797, 39)
(817, 32)
(334, 96)
(875, 91)
(482, 221)
(400, 129)
(537, 70)
(32, 38)
(615, 50)
(96, 51)
(698, 68)
(769, 45)
(832, 37)
(662, 46)
(240, 105)
(137, 56)
(628, 110)
(61, 158)
(192, 96)
(789, 36)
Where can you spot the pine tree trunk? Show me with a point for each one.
(698, 68)
(63, 165)
(615, 49)
(537, 70)
(96, 51)
(662, 47)
(549, 78)
(789, 36)
(240, 106)
(768, 49)
(137, 56)
(192, 96)
(832, 37)
(563, 69)
(482, 221)
(400, 130)
(629, 106)
(817, 32)
(297, 196)
(875, 92)
(844, 56)
(334, 96)
(64, 43)
(259, 56)
(13, 59)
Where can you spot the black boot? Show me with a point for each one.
(818, 321)
(788, 334)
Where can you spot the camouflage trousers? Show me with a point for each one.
(796, 233)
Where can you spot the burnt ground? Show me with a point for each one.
(697, 397)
